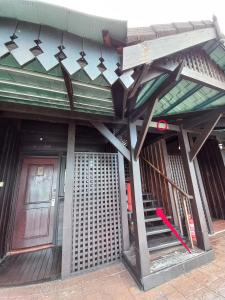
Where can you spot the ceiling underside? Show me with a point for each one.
(186, 95)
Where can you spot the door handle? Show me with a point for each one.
(53, 202)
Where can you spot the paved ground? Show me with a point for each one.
(115, 283)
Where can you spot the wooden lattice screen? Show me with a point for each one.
(96, 222)
(177, 174)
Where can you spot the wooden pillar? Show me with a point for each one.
(193, 189)
(169, 175)
(123, 203)
(141, 247)
(202, 193)
(68, 203)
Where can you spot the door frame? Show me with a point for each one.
(15, 194)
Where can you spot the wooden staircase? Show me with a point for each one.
(159, 236)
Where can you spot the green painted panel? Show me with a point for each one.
(149, 88)
(177, 92)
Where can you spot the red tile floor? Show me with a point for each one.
(115, 283)
(219, 226)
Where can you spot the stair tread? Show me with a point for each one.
(151, 208)
(158, 243)
(154, 218)
(154, 230)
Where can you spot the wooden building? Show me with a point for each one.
(82, 100)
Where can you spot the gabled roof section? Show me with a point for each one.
(141, 34)
(63, 18)
(158, 41)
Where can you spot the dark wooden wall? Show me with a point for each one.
(152, 182)
(43, 138)
(9, 154)
(213, 175)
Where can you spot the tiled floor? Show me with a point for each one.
(219, 225)
(115, 283)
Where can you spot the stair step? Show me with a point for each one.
(151, 208)
(162, 243)
(149, 200)
(154, 230)
(154, 218)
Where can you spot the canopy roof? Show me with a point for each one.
(202, 82)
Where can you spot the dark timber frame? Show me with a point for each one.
(67, 215)
(197, 209)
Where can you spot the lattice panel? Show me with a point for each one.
(96, 225)
(177, 172)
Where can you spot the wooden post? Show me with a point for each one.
(192, 184)
(203, 195)
(123, 204)
(141, 247)
(168, 174)
(68, 203)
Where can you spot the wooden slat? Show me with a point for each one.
(30, 267)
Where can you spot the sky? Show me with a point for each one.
(148, 12)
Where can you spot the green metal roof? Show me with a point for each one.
(185, 96)
(47, 89)
(63, 18)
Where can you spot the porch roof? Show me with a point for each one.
(202, 82)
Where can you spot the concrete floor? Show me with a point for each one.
(115, 283)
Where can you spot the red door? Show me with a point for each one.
(36, 202)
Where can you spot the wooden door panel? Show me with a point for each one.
(37, 223)
(36, 202)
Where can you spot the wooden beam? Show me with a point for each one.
(58, 113)
(123, 203)
(152, 74)
(170, 127)
(203, 136)
(194, 76)
(140, 242)
(205, 117)
(159, 92)
(119, 95)
(145, 128)
(68, 202)
(137, 84)
(112, 139)
(202, 193)
(69, 86)
(148, 51)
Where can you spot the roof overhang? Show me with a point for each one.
(63, 18)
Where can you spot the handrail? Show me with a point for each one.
(167, 179)
(183, 203)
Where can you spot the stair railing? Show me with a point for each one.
(179, 196)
